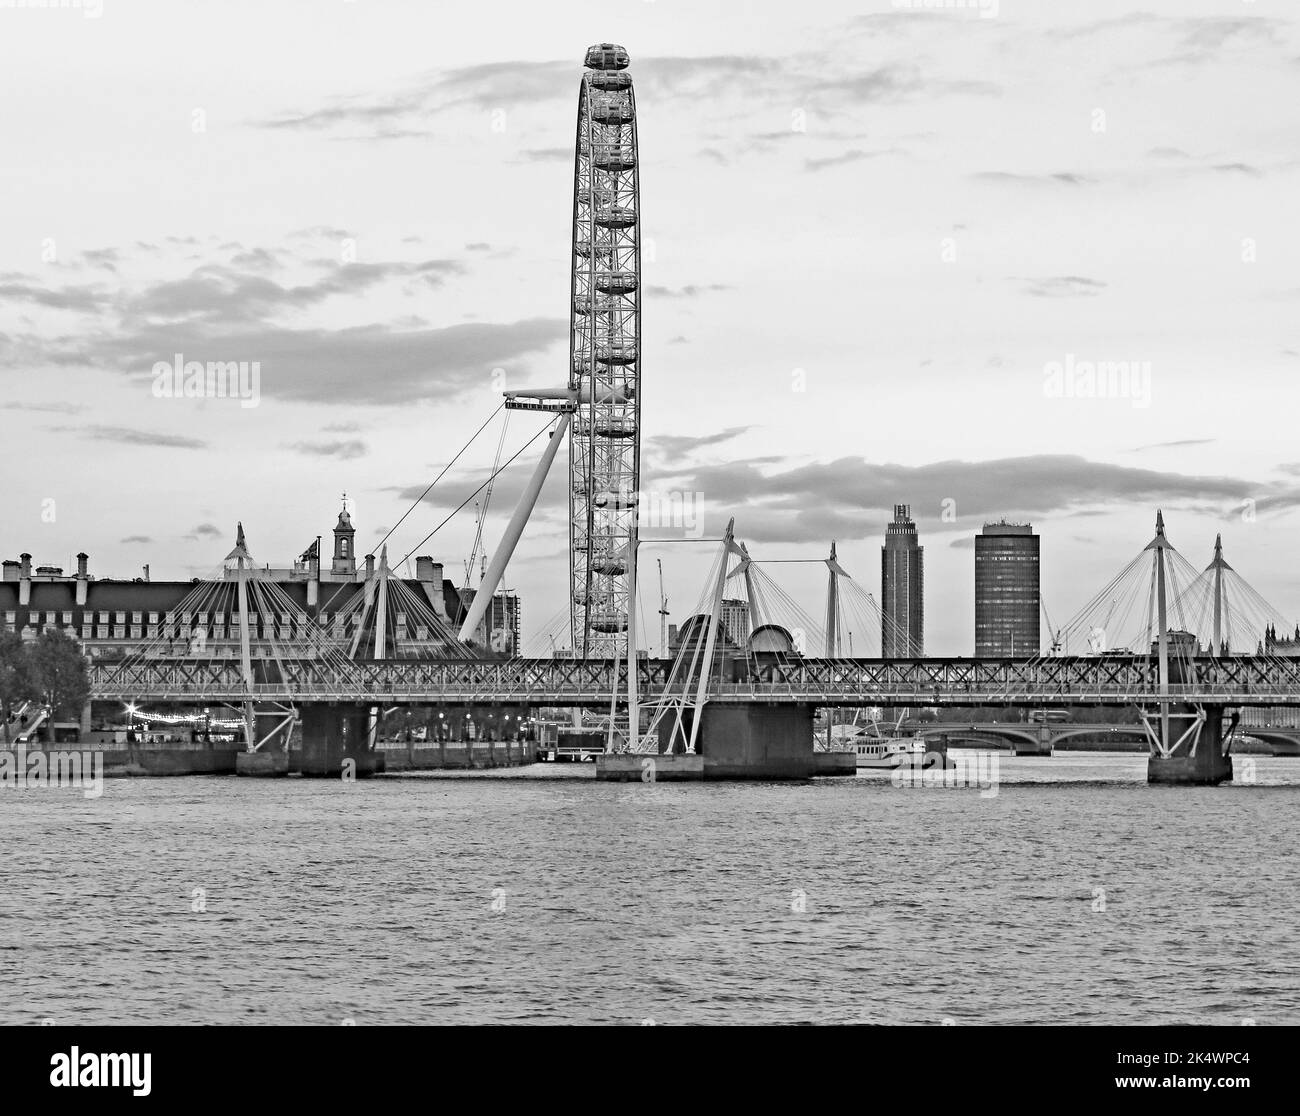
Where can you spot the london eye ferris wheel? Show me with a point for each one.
(605, 356)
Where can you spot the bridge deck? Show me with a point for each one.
(1082, 680)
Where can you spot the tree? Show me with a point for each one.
(60, 673)
(16, 681)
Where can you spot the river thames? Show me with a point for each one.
(1077, 894)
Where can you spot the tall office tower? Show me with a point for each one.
(1006, 591)
(902, 565)
(735, 621)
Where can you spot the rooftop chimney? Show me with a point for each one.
(83, 579)
(26, 560)
(429, 574)
(25, 582)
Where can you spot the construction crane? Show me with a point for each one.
(663, 612)
(1053, 632)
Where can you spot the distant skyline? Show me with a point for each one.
(889, 254)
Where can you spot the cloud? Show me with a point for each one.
(1100, 26)
(1195, 39)
(547, 154)
(1239, 168)
(231, 291)
(259, 259)
(691, 290)
(1063, 286)
(344, 449)
(506, 85)
(1179, 443)
(904, 21)
(854, 155)
(82, 298)
(218, 292)
(372, 365)
(137, 539)
(49, 408)
(321, 232)
(220, 313)
(845, 498)
(1060, 178)
(105, 258)
(897, 81)
(129, 436)
(1207, 35)
(205, 531)
(679, 445)
(479, 86)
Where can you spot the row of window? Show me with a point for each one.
(154, 631)
(186, 618)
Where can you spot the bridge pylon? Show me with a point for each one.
(1188, 743)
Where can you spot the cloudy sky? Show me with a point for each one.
(881, 246)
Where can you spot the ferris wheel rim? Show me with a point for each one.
(604, 350)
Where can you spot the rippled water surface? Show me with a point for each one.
(836, 901)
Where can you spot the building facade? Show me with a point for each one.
(1274, 716)
(1007, 605)
(902, 589)
(735, 620)
(113, 618)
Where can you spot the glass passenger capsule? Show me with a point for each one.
(606, 56)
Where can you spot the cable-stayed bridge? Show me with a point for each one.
(275, 664)
(1159, 636)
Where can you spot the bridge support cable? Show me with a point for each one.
(418, 500)
(1221, 601)
(514, 529)
(484, 508)
(691, 666)
(715, 616)
(460, 507)
(1123, 618)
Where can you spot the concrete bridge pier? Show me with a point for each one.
(333, 734)
(1040, 747)
(1198, 757)
(267, 761)
(754, 741)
